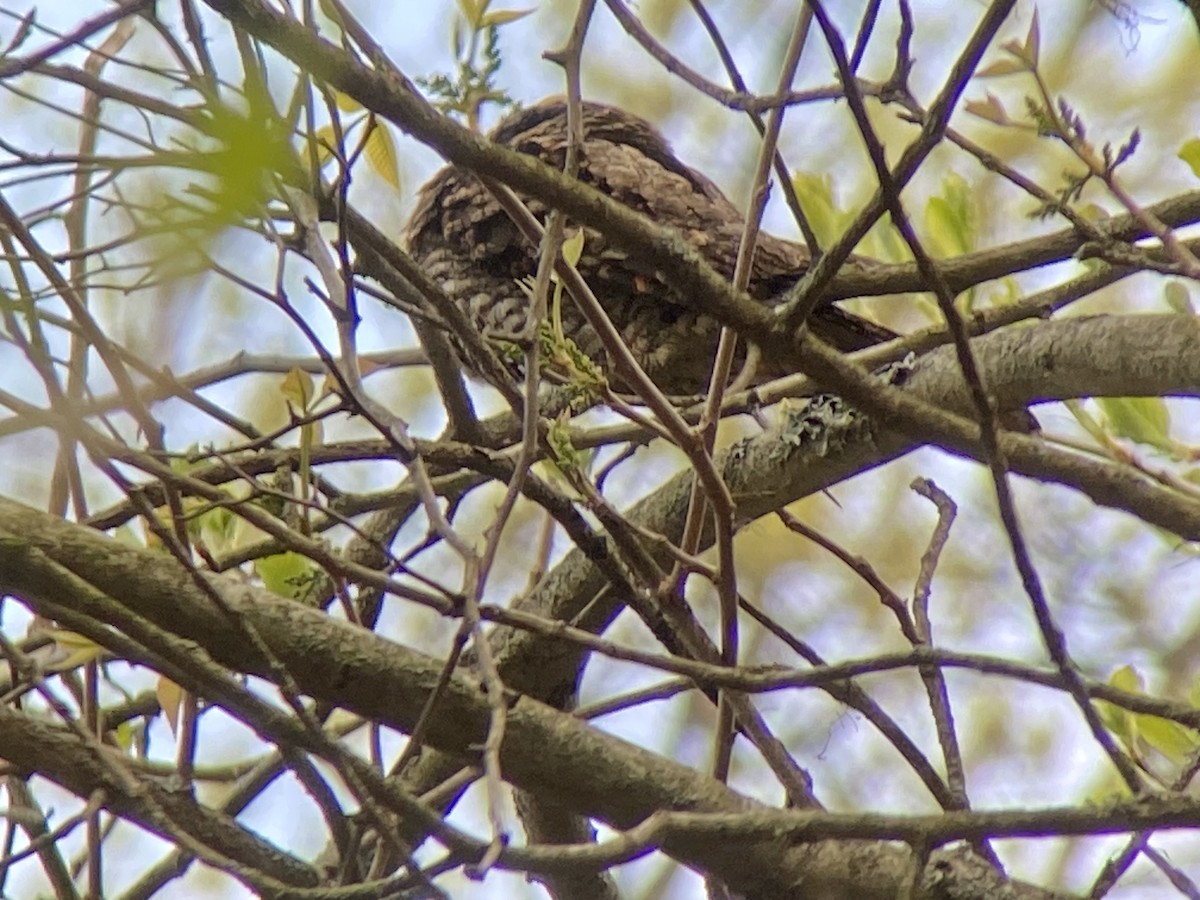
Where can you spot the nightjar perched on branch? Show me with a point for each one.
(464, 240)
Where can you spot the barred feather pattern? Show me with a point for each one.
(464, 240)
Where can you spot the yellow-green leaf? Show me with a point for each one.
(1093, 212)
(1142, 419)
(1171, 739)
(566, 455)
(1179, 298)
(286, 574)
(331, 10)
(124, 735)
(457, 40)
(950, 218)
(1127, 679)
(297, 387)
(215, 527)
(1174, 741)
(473, 10)
(313, 434)
(572, 247)
(250, 149)
(1002, 67)
(127, 536)
(76, 649)
(381, 154)
(326, 140)
(1190, 154)
(1116, 719)
(815, 193)
(345, 102)
(1033, 41)
(503, 17)
(991, 109)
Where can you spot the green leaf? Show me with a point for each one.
(566, 456)
(1178, 298)
(1137, 730)
(345, 102)
(572, 248)
(75, 649)
(331, 10)
(473, 11)
(503, 17)
(1115, 718)
(1190, 154)
(216, 527)
(1142, 419)
(1127, 678)
(381, 154)
(815, 193)
(252, 148)
(326, 140)
(1033, 41)
(1087, 421)
(991, 110)
(950, 218)
(297, 387)
(124, 735)
(286, 574)
(1093, 212)
(1000, 68)
(1172, 740)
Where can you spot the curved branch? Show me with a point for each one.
(340, 664)
(391, 95)
(59, 755)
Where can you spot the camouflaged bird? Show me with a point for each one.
(463, 239)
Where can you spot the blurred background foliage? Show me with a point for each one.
(1127, 596)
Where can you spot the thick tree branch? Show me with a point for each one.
(595, 774)
(37, 747)
(1130, 356)
(392, 96)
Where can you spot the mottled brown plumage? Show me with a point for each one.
(466, 243)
